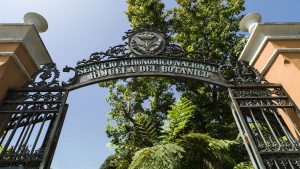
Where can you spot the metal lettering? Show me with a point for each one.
(147, 65)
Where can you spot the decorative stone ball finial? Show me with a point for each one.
(37, 20)
(249, 22)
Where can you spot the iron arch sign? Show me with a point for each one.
(151, 53)
(147, 66)
(257, 107)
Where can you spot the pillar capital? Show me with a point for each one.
(264, 33)
(28, 36)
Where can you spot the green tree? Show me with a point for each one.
(209, 28)
(203, 26)
(244, 165)
(130, 130)
(108, 163)
(165, 156)
(147, 13)
(204, 151)
(178, 117)
(184, 150)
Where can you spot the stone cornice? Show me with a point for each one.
(30, 39)
(263, 33)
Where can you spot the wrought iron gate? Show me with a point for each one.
(263, 115)
(35, 115)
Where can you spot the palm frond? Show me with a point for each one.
(147, 128)
(179, 116)
(244, 165)
(204, 150)
(166, 156)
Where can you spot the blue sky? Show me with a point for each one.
(79, 28)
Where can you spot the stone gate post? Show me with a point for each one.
(22, 51)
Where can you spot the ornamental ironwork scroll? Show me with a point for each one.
(263, 114)
(242, 73)
(34, 117)
(34, 114)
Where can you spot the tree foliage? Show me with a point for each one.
(244, 165)
(179, 116)
(146, 13)
(108, 163)
(130, 130)
(165, 156)
(147, 128)
(205, 151)
(181, 150)
(209, 27)
(142, 118)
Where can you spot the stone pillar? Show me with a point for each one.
(21, 54)
(274, 50)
